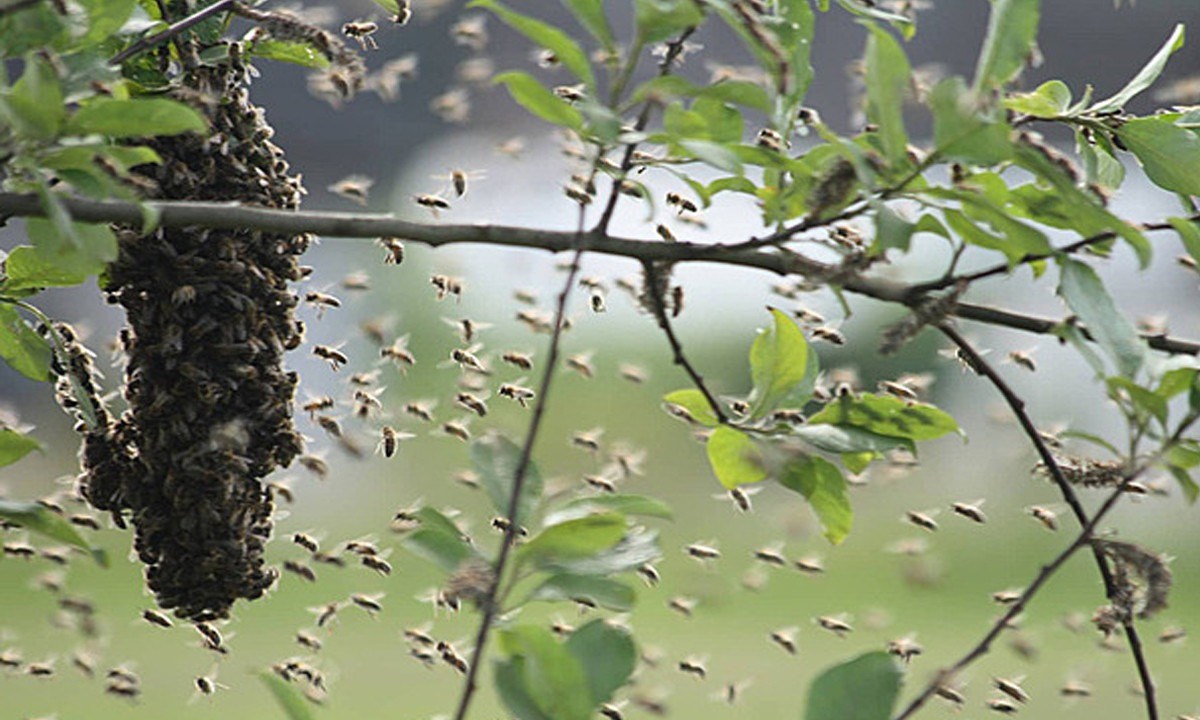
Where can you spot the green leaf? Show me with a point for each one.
(886, 415)
(848, 439)
(871, 9)
(1020, 242)
(1100, 165)
(590, 14)
(612, 594)
(637, 505)
(778, 361)
(34, 104)
(23, 349)
(439, 540)
(1189, 235)
(694, 402)
(294, 706)
(1087, 297)
(574, 539)
(735, 458)
(1009, 43)
(714, 154)
(15, 445)
(1168, 153)
(134, 117)
(893, 231)
(534, 97)
(296, 53)
(960, 131)
(864, 688)
(105, 18)
(1052, 99)
(888, 79)
(725, 123)
(27, 269)
(1142, 399)
(41, 520)
(1145, 78)
(495, 458)
(1190, 489)
(509, 676)
(608, 656)
(658, 20)
(546, 36)
(550, 674)
(822, 484)
(637, 547)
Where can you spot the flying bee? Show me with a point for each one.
(357, 280)
(785, 638)
(1022, 358)
(390, 438)
(432, 202)
(207, 684)
(950, 695)
(694, 665)
(367, 403)
(467, 328)
(810, 564)
(422, 410)
(680, 203)
(905, 648)
(470, 31)
(923, 520)
(465, 359)
(685, 606)
(300, 569)
(84, 663)
(84, 520)
(394, 248)
(588, 440)
(362, 31)
(597, 302)
(807, 316)
(123, 689)
(970, 511)
(600, 483)
(665, 233)
(353, 187)
(376, 563)
(316, 405)
(330, 426)
(582, 364)
(835, 624)
(898, 389)
(1076, 689)
(513, 147)
(469, 478)
(522, 395)
(649, 574)
(771, 555)
(829, 335)
(154, 617)
(403, 12)
(306, 541)
(1004, 706)
(365, 379)
(321, 301)
(452, 658)
(458, 179)
(632, 373)
(472, 403)
(771, 140)
(517, 359)
(570, 93)
(332, 355)
(740, 497)
(1007, 597)
(503, 524)
(676, 303)
(370, 603)
(308, 640)
(326, 613)
(315, 465)
(458, 429)
(210, 637)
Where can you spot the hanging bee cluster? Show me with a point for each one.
(1141, 578)
(209, 403)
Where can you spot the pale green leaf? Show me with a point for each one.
(495, 458)
(865, 688)
(546, 36)
(574, 539)
(34, 104)
(637, 547)
(605, 592)
(1168, 153)
(1051, 99)
(23, 349)
(15, 445)
(134, 117)
(887, 415)
(26, 269)
(636, 505)
(1145, 77)
(822, 484)
(658, 20)
(848, 439)
(778, 363)
(1009, 43)
(551, 676)
(608, 655)
(1189, 235)
(590, 14)
(960, 130)
(41, 520)
(294, 706)
(888, 80)
(1087, 297)
(534, 97)
(735, 458)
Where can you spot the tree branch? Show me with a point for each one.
(231, 216)
(175, 29)
(18, 6)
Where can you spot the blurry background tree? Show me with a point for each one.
(579, 571)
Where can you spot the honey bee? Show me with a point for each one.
(835, 624)
(470, 31)
(810, 564)
(465, 359)
(612, 711)
(376, 563)
(588, 440)
(433, 202)
(1172, 634)
(452, 106)
(522, 395)
(84, 663)
(306, 541)
(469, 478)
(503, 524)
(665, 233)
(1075, 688)
(122, 689)
(316, 405)
(950, 695)
(970, 511)
(1022, 358)
(452, 658)
(390, 438)
(326, 613)
(905, 648)
(694, 665)
(570, 93)
(362, 31)
(785, 638)
(680, 203)
(829, 335)
(771, 555)
(771, 140)
(394, 250)
(40, 669)
(333, 356)
(898, 389)
(685, 606)
(353, 187)
(207, 684)
(10, 658)
(632, 373)
(154, 617)
(315, 465)
(649, 574)
(370, 603)
(600, 482)
(308, 640)
(513, 147)
(597, 303)
(740, 497)
(923, 520)
(329, 425)
(1004, 706)
(300, 569)
(122, 673)
(578, 194)
(458, 429)
(472, 403)
(1007, 597)
(84, 520)
(422, 410)
(365, 379)
(702, 552)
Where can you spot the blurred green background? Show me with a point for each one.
(942, 596)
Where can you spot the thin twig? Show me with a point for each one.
(231, 216)
(654, 282)
(1017, 406)
(1068, 249)
(173, 30)
(18, 6)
